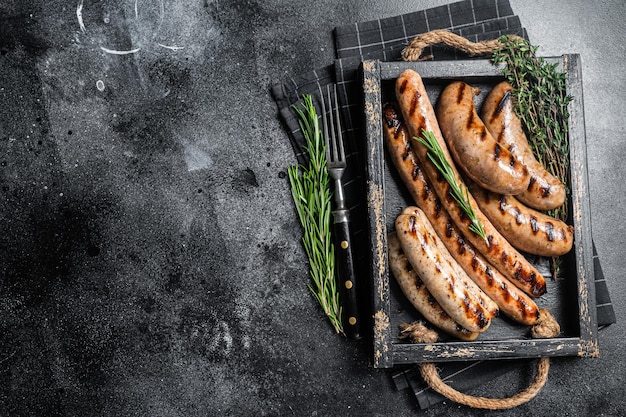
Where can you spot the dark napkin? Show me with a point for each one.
(384, 39)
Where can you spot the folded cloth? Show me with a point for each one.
(384, 39)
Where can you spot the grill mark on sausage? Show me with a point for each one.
(416, 171)
(438, 208)
(546, 191)
(500, 138)
(470, 119)
(550, 232)
(481, 320)
(449, 230)
(460, 93)
(497, 149)
(537, 289)
(415, 98)
(467, 305)
(475, 263)
(426, 191)
(412, 224)
(407, 151)
(431, 299)
(534, 225)
(483, 133)
(490, 278)
(462, 329)
(505, 258)
(505, 98)
(519, 218)
(403, 85)
(502, 203)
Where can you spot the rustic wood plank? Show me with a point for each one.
(376, 212)
(581, 209)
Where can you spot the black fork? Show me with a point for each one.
(336, 163)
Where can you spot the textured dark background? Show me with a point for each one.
(150, 262)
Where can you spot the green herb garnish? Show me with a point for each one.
(312, 198)
(540, 101)
(459, 193)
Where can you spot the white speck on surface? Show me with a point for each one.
(195, 157)
(172, 47)
(118, 52)
(79, 16)
(100, 85)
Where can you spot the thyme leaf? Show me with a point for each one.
(312, 198)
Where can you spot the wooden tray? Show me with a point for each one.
(570, 297)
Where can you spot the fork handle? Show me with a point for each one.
(346, 275)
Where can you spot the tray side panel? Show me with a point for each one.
(382, 337)
(581, 209)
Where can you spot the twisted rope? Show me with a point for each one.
(415, 48)
(546, 327)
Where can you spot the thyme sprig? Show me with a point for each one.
(312, 198)
(540, 101)
(459, 193)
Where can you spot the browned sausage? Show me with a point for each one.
(544, 192)
(528, 230)
(419, 114)
(480, 156)
(416, 292)
(434, 265)
(512, 301)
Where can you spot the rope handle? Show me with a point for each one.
(415, 48)
(546, 327)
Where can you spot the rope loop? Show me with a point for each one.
(546, 327)
(413, 52)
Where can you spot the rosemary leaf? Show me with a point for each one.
(459, 193)
(312, 199)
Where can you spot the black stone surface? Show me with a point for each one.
(150, 262)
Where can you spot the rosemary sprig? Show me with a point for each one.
(311, 195)
(459, 193)
(540, 101)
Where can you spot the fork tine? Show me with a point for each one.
(333, 130)
(337, 110)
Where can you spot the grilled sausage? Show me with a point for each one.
(434, 265)
(511, 300)
(544, 192)
(479, 155)
(416, 292)
(528, 230)
(419, 114)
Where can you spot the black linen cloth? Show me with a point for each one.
(384, 39)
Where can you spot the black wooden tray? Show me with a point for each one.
(570, 297)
